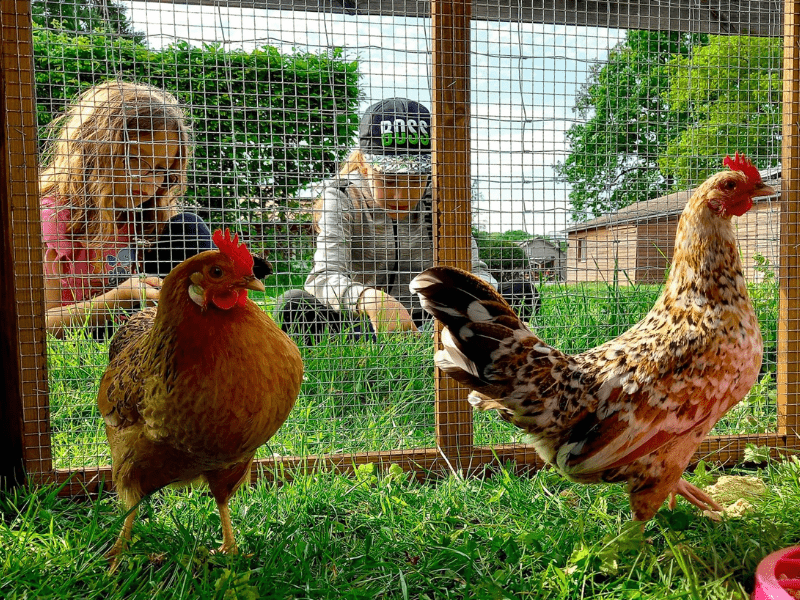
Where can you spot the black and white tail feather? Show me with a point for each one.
(484, 340)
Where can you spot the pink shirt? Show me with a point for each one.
(84, 273)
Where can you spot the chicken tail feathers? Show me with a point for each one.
(485, 343)
(456, 297)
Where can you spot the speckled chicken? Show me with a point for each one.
(194, 387)
(636, 408)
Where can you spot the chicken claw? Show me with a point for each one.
(695, 496)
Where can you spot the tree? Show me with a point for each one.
(84, 16)
(731, 91)
(614, 153)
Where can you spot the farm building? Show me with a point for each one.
(546, 258)
(638, 240)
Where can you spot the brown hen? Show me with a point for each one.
(636, 408)
(194, 387)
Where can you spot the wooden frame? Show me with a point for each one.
(24, 412)
(789, 317)
(726, 17)
(24, 434)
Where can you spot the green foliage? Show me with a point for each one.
(502, 254)
(516, 235)
(625, 128)
(66, 64)
(731, 91)
(576, 318)
(84, 16)
(664, 109)
(266, 124)
(764, 295)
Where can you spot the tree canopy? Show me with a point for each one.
(84, 16)
(731, 92)
(625, 126)
(664, 109)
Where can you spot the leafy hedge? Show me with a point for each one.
(502, 254)
(266, 124)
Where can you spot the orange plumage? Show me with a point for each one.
(194, 387)
(636, 408)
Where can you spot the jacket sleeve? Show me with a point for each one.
(330, 279)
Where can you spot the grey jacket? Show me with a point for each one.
(359, 246)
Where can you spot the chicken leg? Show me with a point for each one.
(694, 495)
(223, 484)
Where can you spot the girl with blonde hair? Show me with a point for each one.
(113, 172)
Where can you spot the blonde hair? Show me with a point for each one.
(84, 143)
(354, 162)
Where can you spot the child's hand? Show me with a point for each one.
(385, 311)
(137, 290)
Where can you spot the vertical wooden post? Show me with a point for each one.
(452, 220)
(788, 375)
(24, 416)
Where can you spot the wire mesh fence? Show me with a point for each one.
(350, 146)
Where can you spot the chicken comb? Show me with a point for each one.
(238, 253)
(741, 163)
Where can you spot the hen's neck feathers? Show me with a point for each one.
(706, 258)
(174, 299)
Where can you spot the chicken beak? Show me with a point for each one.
(254, 284)
(763, 189)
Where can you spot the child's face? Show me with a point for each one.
(146, 168)
(398, 194)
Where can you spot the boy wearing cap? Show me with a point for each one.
(374, 231)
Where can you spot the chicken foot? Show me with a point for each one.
(694, 495)
(122, 541)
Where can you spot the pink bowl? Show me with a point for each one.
(778, 573)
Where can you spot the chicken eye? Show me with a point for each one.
(216, 272)
(729, 185)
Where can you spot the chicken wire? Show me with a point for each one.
(583, 143)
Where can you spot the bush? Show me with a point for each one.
(505, 259)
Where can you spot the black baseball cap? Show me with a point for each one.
(395, 136)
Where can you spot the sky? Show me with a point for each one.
(524, 80)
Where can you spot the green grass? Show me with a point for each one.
(373, 396)
(385, 535)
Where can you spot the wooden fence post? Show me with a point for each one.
(452, 221)
(24, 416)
(788, 375)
